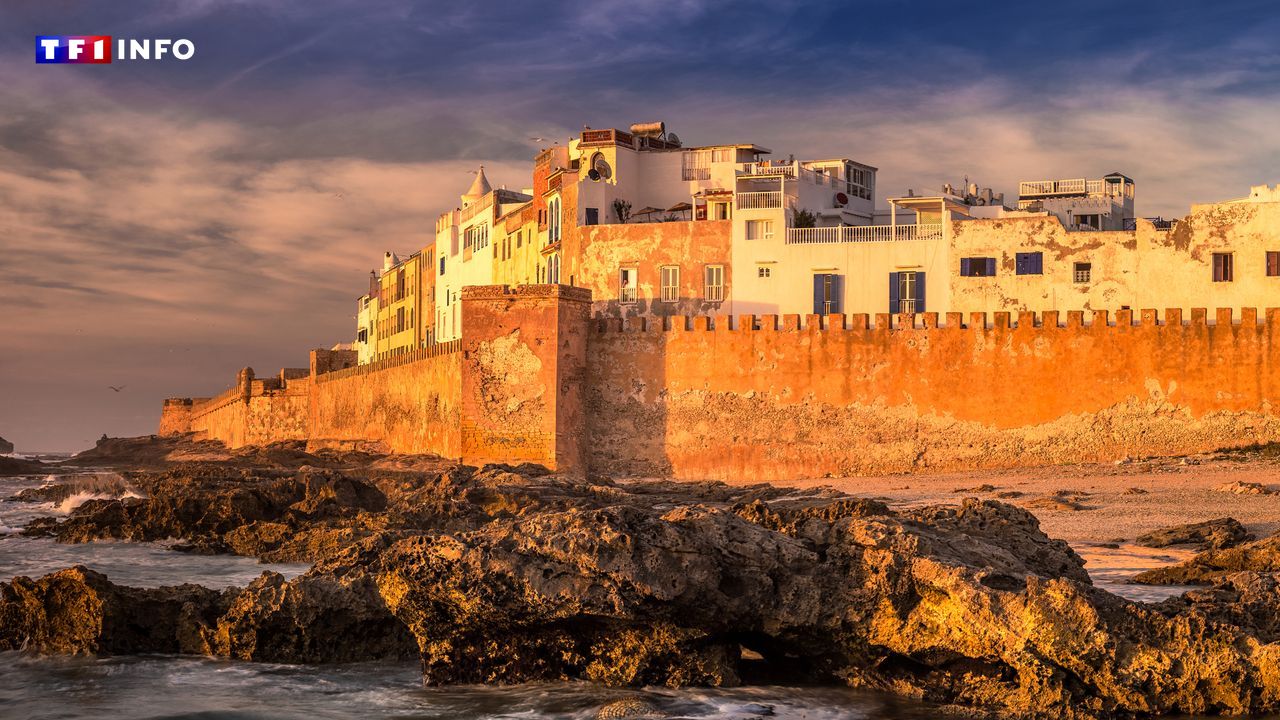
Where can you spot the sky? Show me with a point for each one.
(163, 224)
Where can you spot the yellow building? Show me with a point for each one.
(405, 304)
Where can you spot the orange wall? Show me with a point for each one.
(599, 251)
(807, 402)
(409, 403)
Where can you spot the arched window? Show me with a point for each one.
(553, 269)
(553, 221)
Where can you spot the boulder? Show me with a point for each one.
(1208, 535)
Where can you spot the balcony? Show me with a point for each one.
(863, 233)
(768, 170)
(1046, 188)
(759, 200)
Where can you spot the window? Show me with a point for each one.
(553, 221)
(1083, 272)
(763, 271)
(695, 165)
(1031, 263)
(722, 155)
(670, 283)
(906, 292)
(977, 267)
(1092, 222)
(1223, 267)
(627, 285)
(714, 290)
(441, 264)
(363, 335)
(553, 269)
(519, 238)
(593, 216)
(826, 293)
(759, 229)
(1273, 263)
(721, 210)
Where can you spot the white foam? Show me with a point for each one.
(80, 498)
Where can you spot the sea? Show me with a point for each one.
(155, 687)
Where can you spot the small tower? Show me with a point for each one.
(479, 188)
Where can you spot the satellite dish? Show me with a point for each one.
(841, 199)
(593, 174)
(600, 167)
(673, 139)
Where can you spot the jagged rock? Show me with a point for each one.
(308, 619)
(6, 447)
(1208, 535)
(1210, 566)
(509, 575)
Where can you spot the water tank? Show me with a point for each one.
(649, 129)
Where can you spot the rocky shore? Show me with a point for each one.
(509, 574)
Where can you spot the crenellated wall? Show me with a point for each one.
(768, 397)
(844, 396)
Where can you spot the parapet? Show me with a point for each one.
(1148, 317)
(564, 292)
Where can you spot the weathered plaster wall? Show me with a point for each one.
(409, 403)
(523, 366)
(599, 251)
(806, 402)
(1143, 268)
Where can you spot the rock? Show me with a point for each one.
(629, 708)
(504, 575)
(1208, 535)
(983, 488)
(1055, 503)
(1245, 488)
(6, 447)
(308, 619)
(1208, 567)
(10, 466)
(1009, 494)
(1135, 491)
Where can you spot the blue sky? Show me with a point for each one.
(163, 224)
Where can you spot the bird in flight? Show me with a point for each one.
(117, 389)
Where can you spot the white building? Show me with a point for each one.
(1080, 203)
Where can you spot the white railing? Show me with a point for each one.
(768, 169)
(864, 233)
(1078, 186)
(759, 200)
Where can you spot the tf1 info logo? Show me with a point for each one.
(97, 49)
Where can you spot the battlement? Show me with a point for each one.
(763, 397)
(412, 356)
(861, 322)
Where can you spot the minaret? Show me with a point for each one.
(479, 188)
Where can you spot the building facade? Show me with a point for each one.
(655, 229)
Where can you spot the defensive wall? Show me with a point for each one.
(768, 397)
(506, 392)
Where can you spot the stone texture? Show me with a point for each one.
(1208, 535)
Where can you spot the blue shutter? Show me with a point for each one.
(893, 293)
(818, 297)
(837, 294)
(920, 292)
(966, 267)
(1037, 263)
(991, 267)
(1023, 263)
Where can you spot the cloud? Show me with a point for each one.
(162, 224)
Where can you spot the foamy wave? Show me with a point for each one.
(80, 498)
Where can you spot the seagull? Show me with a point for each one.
(117, 389)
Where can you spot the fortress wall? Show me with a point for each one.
(410, 403)
(847, 396)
